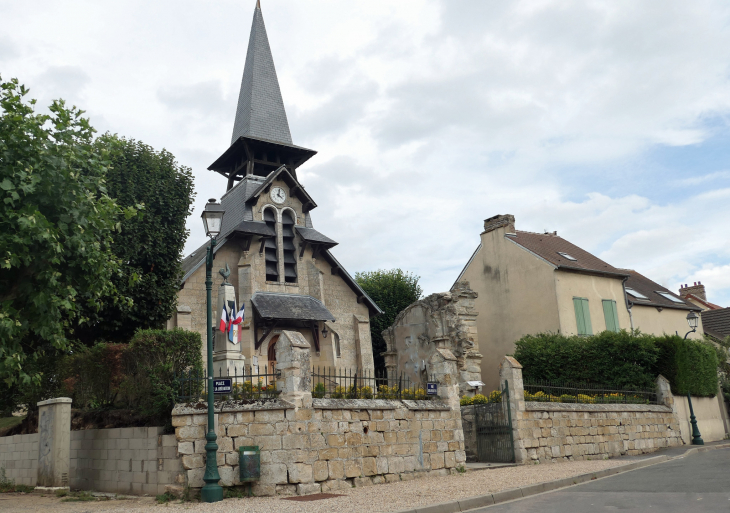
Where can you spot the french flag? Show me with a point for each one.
(224, 319)
(238, 319)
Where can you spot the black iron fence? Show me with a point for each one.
(585, 393)
(251, 383)
(338, 383)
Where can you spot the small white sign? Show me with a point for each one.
(475, 384)
(255, 362)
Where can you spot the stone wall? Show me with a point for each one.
(335, 444)
(139, 461)
(445, 321)
(311, 445)
(548, 432)
(19, 458)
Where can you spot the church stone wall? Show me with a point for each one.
(314, 278)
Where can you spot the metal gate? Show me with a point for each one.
(493, 426)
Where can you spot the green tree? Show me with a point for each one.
(56, 227)
(392, 291)
(151, 246)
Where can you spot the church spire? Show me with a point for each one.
(260, 112)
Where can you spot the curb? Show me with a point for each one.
(490, 499)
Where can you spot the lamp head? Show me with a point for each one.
(324, 331)
(213, 218)
(693, 320)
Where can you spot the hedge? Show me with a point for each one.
(141, 376)
(620, 361)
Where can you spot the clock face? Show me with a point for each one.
(278, 195)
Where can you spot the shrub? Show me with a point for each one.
(613, 360)
(479, 399)
(92, 376)
(319, 391)
(154, 362)
(465, 400)
(689, 365)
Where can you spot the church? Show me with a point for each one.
(272, 260)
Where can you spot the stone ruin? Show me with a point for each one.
(439, 326)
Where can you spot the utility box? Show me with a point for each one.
(249, 463)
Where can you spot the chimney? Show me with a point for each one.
(499, 221)
(697, 290)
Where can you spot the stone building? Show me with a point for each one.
(271, 258)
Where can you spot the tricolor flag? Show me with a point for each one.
(224, 319)
(238, 319)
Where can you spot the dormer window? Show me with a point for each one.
(567, 256)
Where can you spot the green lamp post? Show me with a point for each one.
(693, 320)
(212, 491)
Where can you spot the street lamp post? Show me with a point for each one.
(212, 491)
(693, 321)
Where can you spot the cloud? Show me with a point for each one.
(602, 120)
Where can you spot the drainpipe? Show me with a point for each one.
(629, 304)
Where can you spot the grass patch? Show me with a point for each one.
(79, 497)
(165, 498)
(233, 492)
(61, 493)
(8, 422)
(9, 486)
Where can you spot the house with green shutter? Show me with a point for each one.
(530, 283)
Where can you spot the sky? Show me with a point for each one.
(607, 122)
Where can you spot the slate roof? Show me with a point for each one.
(260, 112)
(313, 236)
(548, 246)
(283, 174)
(254, 228)
(276, 305)
(716, 323)
(648, 288)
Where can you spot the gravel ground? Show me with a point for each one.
(374, 499)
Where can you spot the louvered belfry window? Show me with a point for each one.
(290, 256)
(270, 248)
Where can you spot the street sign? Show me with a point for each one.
(432, 388)
(222, 386)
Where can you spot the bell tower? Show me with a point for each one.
(261, 141)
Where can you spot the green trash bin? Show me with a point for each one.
(249, 463)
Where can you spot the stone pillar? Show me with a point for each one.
(510, 371)
(363, 343)
(227, 357)
(664, 392)
(293, 359)
(184, 320)
(442, 370)
(54, 447)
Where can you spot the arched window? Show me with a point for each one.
(270, 247)
(290, 251)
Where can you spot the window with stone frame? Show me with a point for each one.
(336, 345)
(271, 249)
(290, 251)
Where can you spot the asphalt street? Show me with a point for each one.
(696, 483)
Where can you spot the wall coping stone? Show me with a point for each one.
(356, 404)
(426, 405)
(540, 406)
(201, 407)
(55, 400)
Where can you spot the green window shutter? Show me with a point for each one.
(587, 318)
(611, 315)
(582, 316)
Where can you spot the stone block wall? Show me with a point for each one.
(310, 445)
(549, 432)
(19, 458)
(138, 461)
(334, 444)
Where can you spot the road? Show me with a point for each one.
(696, 483)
